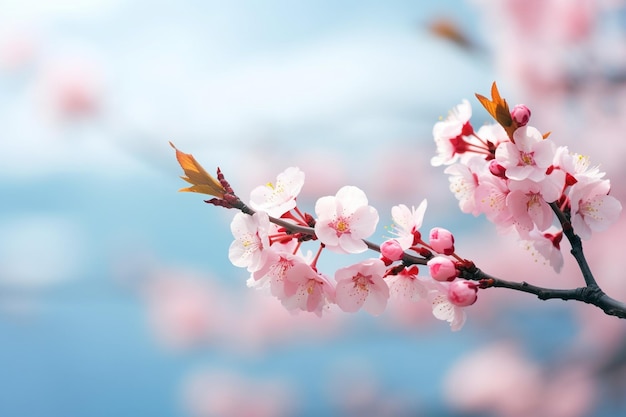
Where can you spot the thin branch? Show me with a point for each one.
(591, 294)
(576, 244)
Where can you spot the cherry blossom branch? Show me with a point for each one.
(407, 259)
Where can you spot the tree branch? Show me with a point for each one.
(591, 294)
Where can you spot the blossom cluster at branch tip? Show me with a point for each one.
(515, 176)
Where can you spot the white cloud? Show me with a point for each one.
(39, 250)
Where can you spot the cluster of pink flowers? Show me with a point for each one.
(514, 178)
(274, 257)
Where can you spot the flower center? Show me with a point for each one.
(362, 282)
(534, 200)
(341, 226)
(527, 158)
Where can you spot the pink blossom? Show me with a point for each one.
(407, 285)
(343, 221)
(442, 268)
(464, 181)
(491, 196)
(448, 134)
(273, 272)
(249, 250)
(527, 158)
(574, 165)
(362, 286)
(277, 199)
(391, 250)
(527, 202)
(444, 309)
(547, 245)
(462, 293)
(407, 223)
(591, 207)
(306, 289)
(441, 240)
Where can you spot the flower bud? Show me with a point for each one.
(442, 269)
(442, 241)
(521, 115)
(496, 169)
(391, 250)
(463, 293)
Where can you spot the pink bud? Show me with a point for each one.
(442, 269)
(442, 241)
(463, 293)
(521, 115)
(391, 250)
(496, 169)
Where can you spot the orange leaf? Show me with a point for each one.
(200, 180)
(499, 110)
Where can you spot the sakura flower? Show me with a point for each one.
(528, 204)
(362, 286)
(273, 272)
(463, 183)
(344, 220)
(407, 285)
(448, 134)
(444, 309)
(575, 165)
(249, 250)
(306, 289)
(547, 245)
(407, 223)
(527, 158)
(492, 134)
(591, 207)
(277, 199)
(490, 197)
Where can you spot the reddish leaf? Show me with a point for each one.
(200, 180)
(499, 110)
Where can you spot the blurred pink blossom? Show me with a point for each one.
(232, 394)
(182, 309)
(18, 47)
(70, 88)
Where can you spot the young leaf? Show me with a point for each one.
(499, 110)
(200, 180)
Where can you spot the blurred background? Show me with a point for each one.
(116, 294)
